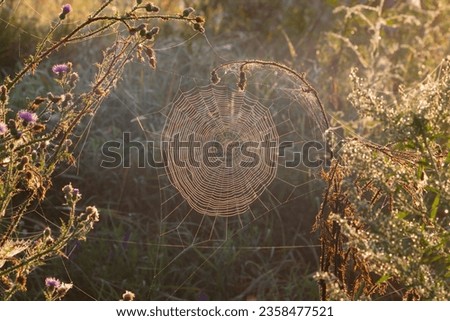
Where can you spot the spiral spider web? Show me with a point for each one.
(203, 204)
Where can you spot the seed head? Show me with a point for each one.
(128, 296)
(214, 78)
(188, 11)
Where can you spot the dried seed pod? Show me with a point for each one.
(38, 127)
(200, 19)
(154, 30)
(188, 11)
(199, 27)
(39, 100)
(149, 52)
(152, 62)
(143, 32)
(4, 94)
(242, 80)
(214, 78)
(150, 7)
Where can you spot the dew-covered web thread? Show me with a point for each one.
(218, 114)
(203, 201)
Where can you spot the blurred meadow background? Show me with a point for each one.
(276, 257)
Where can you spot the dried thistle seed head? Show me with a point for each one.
(242, 80)
(68, 189)
(47, 232)
(56, 99)
(39, 100)
(28, 175)
(24, 160)
(149, 35)
(63, 289)
(152, 62)
(128, 296)
(149, 52)
(154, 30)
(21, 280)
(200, 19)
(99, 91)
(214, 78)
(188, 11)
(44, 144)
(73, 79)
(67, 142)
(199, 27)
(138, 1)
(4, 94)
(38, 127)
(150, 7)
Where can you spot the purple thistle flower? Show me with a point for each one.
(52, 283)
(3, 128)
(28, 117)
(58, 69)
(66, 9)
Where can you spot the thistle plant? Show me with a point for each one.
(38, 138)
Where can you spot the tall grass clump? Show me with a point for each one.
(384, 219)
(38, 136)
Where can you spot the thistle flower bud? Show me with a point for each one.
(188, 11)
(138, 1)
(66, 9)
(38, 127)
